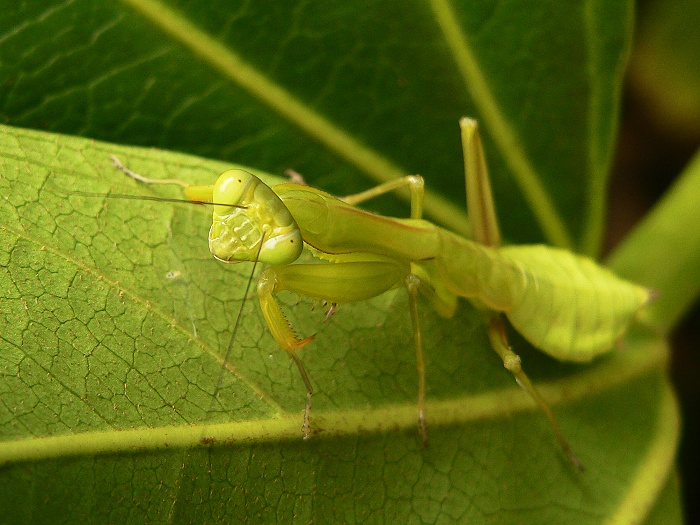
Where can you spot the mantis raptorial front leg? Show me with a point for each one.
(343, 282)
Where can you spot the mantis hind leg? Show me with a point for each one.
(483, 223)
(499, 341)
(194, 193)
(484, 228)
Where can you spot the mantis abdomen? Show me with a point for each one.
(564, 304)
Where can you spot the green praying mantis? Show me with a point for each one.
(566, 305)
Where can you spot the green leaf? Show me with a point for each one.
(114, 317)
(100, 363)
(668, 509)
(663, 253)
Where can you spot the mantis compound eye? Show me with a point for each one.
(232, 187)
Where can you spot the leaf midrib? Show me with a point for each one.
(620, 369)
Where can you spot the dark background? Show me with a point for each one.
(652, 152)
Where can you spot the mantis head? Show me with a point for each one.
(237, 232)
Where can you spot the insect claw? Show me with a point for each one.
(303, 342)
(422, 427)
(306, 427)
(331, 310)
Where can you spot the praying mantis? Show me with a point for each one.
(564, 304)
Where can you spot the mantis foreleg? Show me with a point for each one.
(344, 282)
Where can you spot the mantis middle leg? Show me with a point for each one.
(414, 182)
(444, 307)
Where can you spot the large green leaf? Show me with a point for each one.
(115, 318)
(115, 321)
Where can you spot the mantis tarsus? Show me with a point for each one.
(564, 304)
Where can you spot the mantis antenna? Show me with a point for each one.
(234, 332)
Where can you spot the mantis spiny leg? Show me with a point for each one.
(343, 282)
